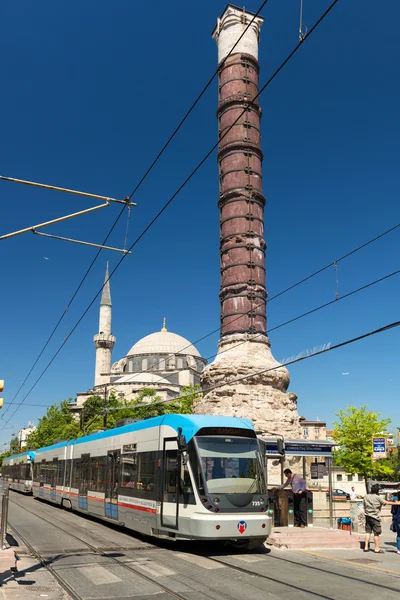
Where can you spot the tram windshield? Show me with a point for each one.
(231, 465)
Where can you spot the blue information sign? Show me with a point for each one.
(379, 447)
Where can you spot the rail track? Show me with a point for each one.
(220, 560)
(97, 551)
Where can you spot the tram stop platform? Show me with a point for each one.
(295, 538)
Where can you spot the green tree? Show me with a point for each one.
(146, 404)
(353, 433)
(187, 397)
(14, 446)
(3, 456)
(57, 424)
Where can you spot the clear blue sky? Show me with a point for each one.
(91, 90)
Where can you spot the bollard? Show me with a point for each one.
(310, 509)
(4, 494)
(290, 516)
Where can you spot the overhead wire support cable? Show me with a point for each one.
(294, 319)
(64, 313)
(66, 190)
(182, 121)
(186, 181)
(65, 239)
(33, 228)
(128, 198)
(324, 350)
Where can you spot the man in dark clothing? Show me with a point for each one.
(298, 485)
(396, 519)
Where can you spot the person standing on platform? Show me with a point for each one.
(353, 494)
(298, 485)
(373, 503)
(396, 520)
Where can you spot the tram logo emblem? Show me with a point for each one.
(242, 526)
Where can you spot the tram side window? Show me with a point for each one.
(60, 473)
(129, 471)
(26, 472)
(42, 472)
(76, 472)
(171, 477)
(54, 466)
(97, 470)
(68, 472)
(146, 474)
(170, 472)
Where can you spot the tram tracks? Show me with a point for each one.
(301, 566)
(97, 551)
(292, 581)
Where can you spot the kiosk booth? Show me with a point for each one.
(281, 502)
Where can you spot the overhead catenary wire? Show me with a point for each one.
(297, 318)
(180, 188)
(160, 153)
(63, 314)
(234, 380)
(197, 100)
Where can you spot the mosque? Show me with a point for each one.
(163, 361)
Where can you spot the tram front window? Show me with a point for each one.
(231, 465)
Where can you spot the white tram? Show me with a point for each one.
(175, 476)
(17, 470)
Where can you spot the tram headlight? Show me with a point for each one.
(216, 500)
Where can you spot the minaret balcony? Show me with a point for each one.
(104, 340)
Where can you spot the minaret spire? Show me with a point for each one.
(104, 341)
(106, 294)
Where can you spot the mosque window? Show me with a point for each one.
(144, 364)
(161, 364)
(179, 363)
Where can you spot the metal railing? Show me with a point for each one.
(4, 497)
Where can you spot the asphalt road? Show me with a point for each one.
(97, 561)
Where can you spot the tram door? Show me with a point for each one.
(170, 485)
(84, 481)
(112, 482)
(53, 478)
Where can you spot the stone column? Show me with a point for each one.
(244, 348)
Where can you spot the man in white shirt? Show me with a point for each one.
(353, 495)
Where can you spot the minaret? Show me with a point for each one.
(104, 340)
(244, 348)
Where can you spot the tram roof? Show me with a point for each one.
(29, 453)
(190, 425)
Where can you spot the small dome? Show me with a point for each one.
(163, 342)
(142, 378)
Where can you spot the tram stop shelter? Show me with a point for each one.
(278, 450)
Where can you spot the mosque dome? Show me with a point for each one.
(163, 342)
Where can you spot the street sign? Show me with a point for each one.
(378, 447)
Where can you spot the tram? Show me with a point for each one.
(180, 477)
(17, 470)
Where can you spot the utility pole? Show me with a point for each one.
(105, 408)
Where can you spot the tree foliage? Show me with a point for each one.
(14, 446)
(59, 422)
(146, 404)
(354, 432)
